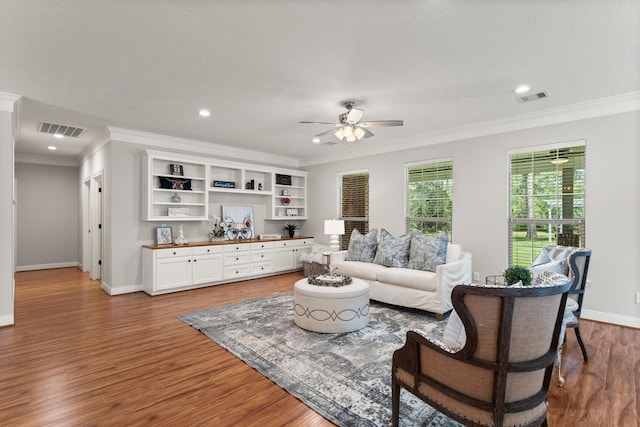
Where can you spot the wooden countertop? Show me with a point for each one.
(223, 242)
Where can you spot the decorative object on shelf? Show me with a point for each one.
(332, 280)
(259, 186)
(216, 228)
(269, 237)
(177, 212)
(224, 184)
(285, 192)
(250, 185)
(181, 240)
(286, 201)
(334, 228)
(292, 212)
(237, 222)
(163, 235)
(513, 275)
(175, 198)
(175, 169)
(283, 179)
(291, 228)
(175, 184)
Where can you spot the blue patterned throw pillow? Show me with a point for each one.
(362, 247)
(428, 252)
(393, 251)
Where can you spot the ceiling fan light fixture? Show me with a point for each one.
(351, 138)
(359, 133)
(340, 134)
(348, 132)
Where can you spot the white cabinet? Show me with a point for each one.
(169, 196)
(289, 201)
(172, 269)
(286, 254)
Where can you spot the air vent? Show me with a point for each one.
(533, 97)
(53, 129)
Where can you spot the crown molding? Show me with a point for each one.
(45, 160)
(201, 147)
(7, 101)
(585, 110)
(93, 148)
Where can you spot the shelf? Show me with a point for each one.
(239, 191)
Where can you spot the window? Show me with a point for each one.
(430, 197)
(547, 200)
(354, 204)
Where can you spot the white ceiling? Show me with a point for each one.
(263, 66)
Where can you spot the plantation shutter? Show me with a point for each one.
(354, 205)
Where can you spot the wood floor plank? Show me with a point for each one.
(77, 356)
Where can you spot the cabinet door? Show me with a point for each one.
(207, 269)
(283, 259)
(173, 272)
(301, 250)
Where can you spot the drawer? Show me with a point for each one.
(237, 258)
(205, 250)
(259, 256)
(234, 272)
(172, 253)
(261, 245)
(261, 268)
(286, 244)
(237, 247)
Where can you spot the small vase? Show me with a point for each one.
(175, 198)
(292, 233)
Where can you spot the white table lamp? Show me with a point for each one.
(334, 228)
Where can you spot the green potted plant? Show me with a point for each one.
(513, 275)
(291, 228)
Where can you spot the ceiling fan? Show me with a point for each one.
(350, 127)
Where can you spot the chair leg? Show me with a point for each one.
(395, 402)
(582, 347)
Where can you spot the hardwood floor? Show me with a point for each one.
(77, 356)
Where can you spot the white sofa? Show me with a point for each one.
(424, 290)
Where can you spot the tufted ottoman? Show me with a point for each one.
(331, 309)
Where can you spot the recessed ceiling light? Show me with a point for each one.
(51, 147)
(58, 135)
(522, 89)
(204, 113)
(316, 140)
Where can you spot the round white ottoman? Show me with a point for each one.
(331, 309)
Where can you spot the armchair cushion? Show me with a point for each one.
(428, 252)
(362, 247)
(393, 251)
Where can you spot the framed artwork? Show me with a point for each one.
(175, 169)
(163, 236)
(283, 179)
(237, 222)
(292, 212)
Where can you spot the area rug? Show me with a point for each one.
(345, 377)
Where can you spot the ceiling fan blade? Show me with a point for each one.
(353, 115)
(367, 133)
(321, 123)
(381, 123)
(325, 133)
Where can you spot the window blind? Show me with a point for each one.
(430, 197)
(354, 206)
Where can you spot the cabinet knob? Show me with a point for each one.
(194, 260)
(237, 258)
(174, 253)
(208, 250)
(261, 256)
(189, 261)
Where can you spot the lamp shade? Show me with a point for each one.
(334, 226)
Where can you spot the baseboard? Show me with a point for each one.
(120, 290)
(7, 320)
(614, 319)
(46, 266)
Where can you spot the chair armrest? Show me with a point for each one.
(338, 256)
(452, 274)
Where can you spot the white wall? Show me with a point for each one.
(47, 216)
(6, 214)
(481, 201)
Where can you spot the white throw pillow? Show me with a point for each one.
(558, 266)
(454, 334)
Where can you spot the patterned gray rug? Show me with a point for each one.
(344, 377)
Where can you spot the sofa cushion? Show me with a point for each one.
(427, 252)
(359, 269)
(408, 278)
(362, 247)
(454, 252)
(393, 251)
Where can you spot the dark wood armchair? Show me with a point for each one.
(502, 374)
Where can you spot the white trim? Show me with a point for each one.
(120, 290)
(93, 148)
(427, 162)
(7, 320)
(7, 101)
(201, 147)
(615, 319)
(548, 147)
(45, 160)
(47, 266)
